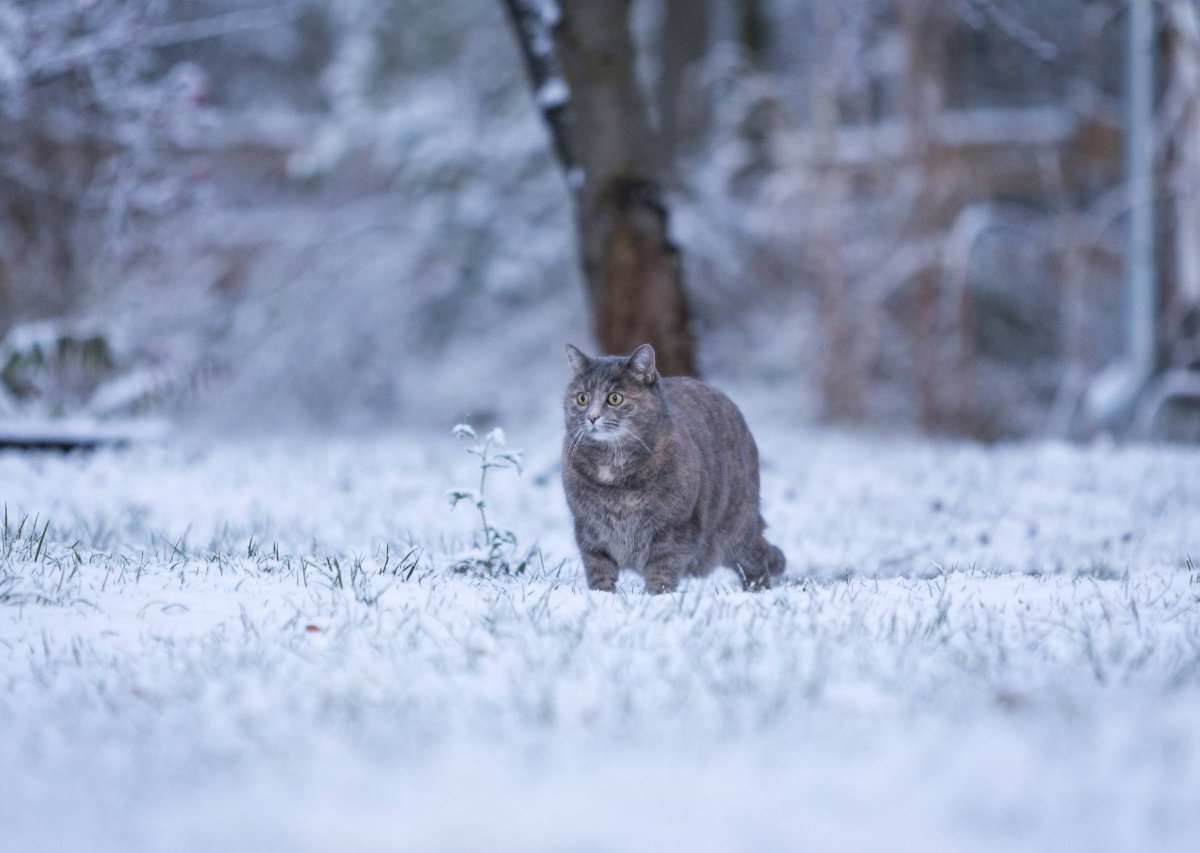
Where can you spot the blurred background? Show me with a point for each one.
(960, 217)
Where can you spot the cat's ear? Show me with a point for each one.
(579, 362)
(641, 364)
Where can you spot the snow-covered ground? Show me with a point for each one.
(233, 646)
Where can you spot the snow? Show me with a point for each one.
(553, 93)
(220, 645)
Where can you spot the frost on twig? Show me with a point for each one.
(493, 551)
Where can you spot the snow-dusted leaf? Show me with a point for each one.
(512, 457)
(456, 495)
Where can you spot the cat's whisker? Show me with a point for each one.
(629, 431)
(576, 440)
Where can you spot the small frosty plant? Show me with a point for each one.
(494, 549)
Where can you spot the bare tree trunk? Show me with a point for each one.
(36, 263)
(754, 31)
(683, 42)
(841, 370)
(1181, 118)
(924, 28)
(1179, 127)
(607, 144)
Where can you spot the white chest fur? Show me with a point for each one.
(606, 472)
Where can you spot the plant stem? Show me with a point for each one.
(483, 469)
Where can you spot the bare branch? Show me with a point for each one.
(85, 50)
(534, 22)
(1015, 29)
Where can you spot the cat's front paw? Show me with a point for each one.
(755, 583)
(600, 570)
(659, 585)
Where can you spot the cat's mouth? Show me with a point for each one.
(602, 432)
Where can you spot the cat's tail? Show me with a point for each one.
(776, 562)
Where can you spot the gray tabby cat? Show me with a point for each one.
(661, 474)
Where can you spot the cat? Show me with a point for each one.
(661, 476)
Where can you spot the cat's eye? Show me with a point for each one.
(615, 399)
(581, 398)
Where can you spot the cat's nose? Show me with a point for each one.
(593, 416)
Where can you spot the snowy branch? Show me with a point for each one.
(1013, 27)
(534, 22)
(120, 38)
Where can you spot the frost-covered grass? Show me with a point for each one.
(262, 646)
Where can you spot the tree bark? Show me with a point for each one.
(683, 42)
(923, 96)
(611, 153)
(841, 370)
(1181, 118)
(754, 31)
